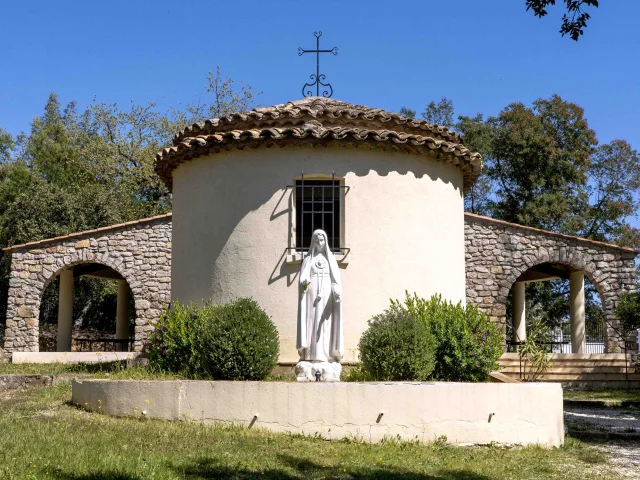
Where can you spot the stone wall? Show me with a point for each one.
(139, 251)
(497, 253)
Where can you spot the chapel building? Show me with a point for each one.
(248, 191)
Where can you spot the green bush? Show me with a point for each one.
(418, 339)
(233, 341)
(468, 343)
(239, 342)
(397, 346)
(171, 346)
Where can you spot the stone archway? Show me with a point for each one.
(139, 251)
(572, 272)
(498, 253)
(105, 270)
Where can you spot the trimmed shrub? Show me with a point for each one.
(171, 345)
(468, 343)
(397, 346)
(239, 342)
(233, 341)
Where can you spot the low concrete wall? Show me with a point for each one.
(71, 357)
(17, 381)
(467, 413)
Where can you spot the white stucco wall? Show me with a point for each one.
(481, 413)
(403, 222)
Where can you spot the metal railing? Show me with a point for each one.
(559, 338)
(86, 344)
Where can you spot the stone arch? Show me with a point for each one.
(78, 260)
(577, 262)
(555, 256)
(498, 252)
(140, 252)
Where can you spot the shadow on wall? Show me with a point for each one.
(245, 181)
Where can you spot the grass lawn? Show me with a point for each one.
(609, 396)
(42, 436)
(114, 370)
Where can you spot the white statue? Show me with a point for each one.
(320, 339)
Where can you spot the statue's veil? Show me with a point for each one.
(333, 263)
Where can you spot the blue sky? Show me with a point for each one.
(481, 54)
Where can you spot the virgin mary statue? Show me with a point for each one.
(320, 339)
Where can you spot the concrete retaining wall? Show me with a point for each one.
(465, 413)
(72, 357)
(17, 381)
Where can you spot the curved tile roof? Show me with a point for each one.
(318, 121)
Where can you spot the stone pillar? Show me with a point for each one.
(519, 314)
(122, 315)
(65, 310)
(576, 311)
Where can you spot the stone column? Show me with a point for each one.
(519, 314)
(576, 311)
(65, 310)
(122, 315)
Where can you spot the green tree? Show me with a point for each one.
(543, 168)
(574, 20)
(75, 171)
(538, 158)
(440, 113)
(6, 145)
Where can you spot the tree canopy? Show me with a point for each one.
(543, 168)
(574, 20)
(76, 171)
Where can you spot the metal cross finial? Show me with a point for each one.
(317, 78)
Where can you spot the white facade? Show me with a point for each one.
(233, 220)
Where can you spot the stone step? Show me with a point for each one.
(589, 377)
(557, 364)
(571, 370)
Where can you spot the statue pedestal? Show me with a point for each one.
(329, 371)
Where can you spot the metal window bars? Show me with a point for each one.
(318, 204)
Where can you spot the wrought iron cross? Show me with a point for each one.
(318, 79)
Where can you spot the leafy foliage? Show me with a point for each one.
(76, 170)
(574, 21)
(468, 343)
(400, 344)
(628, 312)
(440, 113)
(533, 353)
(397, 346)
(543, 168)
(171, 346)
(239, 341)
(233, 341)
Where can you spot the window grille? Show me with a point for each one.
(318, 205)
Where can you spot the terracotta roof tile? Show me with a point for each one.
(317, 121)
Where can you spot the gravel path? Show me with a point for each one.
(623, 454)
(609, 419)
